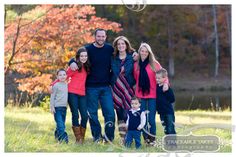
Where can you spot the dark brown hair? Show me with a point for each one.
(80, 65)
(135, 98)
(59, 70)
(99, 29)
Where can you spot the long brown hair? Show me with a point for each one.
(80, 65)
(129, 48)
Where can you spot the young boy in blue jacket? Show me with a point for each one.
(165, 102)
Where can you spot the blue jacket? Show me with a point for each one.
(165, 100)
(128, 66)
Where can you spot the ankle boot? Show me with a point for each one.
(152, 140)
(122, 130)
(82, 131)
(77, 133)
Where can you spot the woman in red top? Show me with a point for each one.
(76, 94)
(144, 74)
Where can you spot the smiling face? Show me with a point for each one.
(143, 53)
(61, 76)
(160, 79)
(121, 45)
(100, 37)
(83, 57)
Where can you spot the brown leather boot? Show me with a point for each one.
(77, 133)
(82, 131)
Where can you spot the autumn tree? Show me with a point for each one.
(43, 39)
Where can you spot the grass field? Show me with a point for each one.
(31, 130)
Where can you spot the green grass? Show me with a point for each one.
(31, 130)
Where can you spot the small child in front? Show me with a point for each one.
(58, 105)
(135, 122)
(165, 102)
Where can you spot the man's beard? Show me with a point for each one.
(99, 43)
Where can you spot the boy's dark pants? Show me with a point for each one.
(60, 117)
(133, 134)
(168, 122)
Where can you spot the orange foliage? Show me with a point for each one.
(34, 84)
(48, 41)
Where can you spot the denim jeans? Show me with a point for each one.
(133, 134)
(77, 102)
(102, 95)
(60, 117)
(150, 105)
(168, 122)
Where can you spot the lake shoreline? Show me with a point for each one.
(201, 84)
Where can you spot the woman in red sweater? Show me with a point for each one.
(144, 74)
(76, 94)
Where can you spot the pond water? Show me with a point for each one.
(204, 100)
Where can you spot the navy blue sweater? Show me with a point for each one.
(134, 120)
(165, 100)
(100, 59)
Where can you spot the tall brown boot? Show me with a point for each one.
(77, 133)
(82, 131)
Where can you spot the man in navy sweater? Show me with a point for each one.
(165, 102)
(98, 86)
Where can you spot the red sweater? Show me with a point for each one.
(152, 78)
(76, 81)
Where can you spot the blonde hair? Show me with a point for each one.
(151, 56)
(129, 48)
(163, 72)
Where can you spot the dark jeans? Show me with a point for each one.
(78, 103)
(168, 122)
(133, 134)
(60, 117)
(102, 95)
(150, 105)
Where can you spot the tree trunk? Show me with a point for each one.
(216, 41)
(5, 14)
(205, 42)
(228, 23)
(170, 47)
(13, 53)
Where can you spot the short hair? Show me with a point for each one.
(135, 98)
(99, 29)
(163, 72)
(60, 70)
